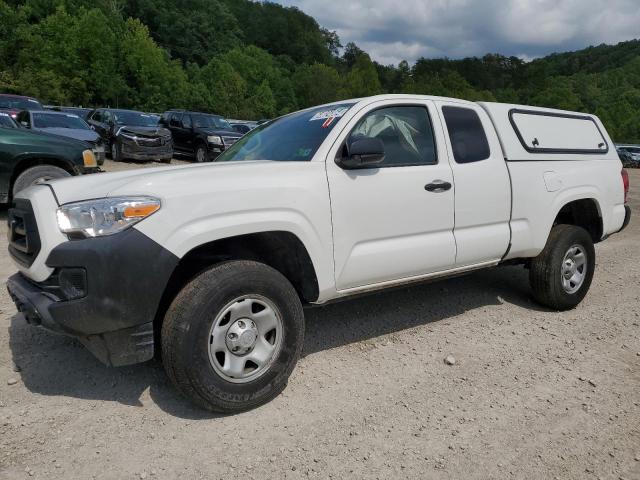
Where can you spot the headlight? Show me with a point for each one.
(106, 216)
(214, 139)
(128, 136)
(89, 159)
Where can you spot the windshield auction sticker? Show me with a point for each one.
(329, 115)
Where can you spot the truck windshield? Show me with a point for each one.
(292, 138)
(55, 120)
(209, 121)
(135, 119)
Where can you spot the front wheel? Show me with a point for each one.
(116, 151)
(561, 275)
(201, 154)
(37, 174)
(232, 336)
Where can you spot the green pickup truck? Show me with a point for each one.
(28, 157)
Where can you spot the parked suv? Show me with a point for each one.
(133, 135)
(212, 263)
(202, 136)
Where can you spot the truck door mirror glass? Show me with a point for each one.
(363, 153)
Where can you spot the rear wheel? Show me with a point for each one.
(37, 174)
(232, 336)
(561, 275)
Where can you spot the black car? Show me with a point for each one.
(65, 125)
(134, 135)
(202, 136)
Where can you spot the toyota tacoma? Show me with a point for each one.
(211, 264)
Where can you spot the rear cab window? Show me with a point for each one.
(466, 133)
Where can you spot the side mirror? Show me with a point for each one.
(363, 153)
(24, 124)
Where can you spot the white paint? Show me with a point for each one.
(364, 229)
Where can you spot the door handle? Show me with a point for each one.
(437, 186)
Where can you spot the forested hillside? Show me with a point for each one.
(254, 60)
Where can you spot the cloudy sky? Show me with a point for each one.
(392, 30)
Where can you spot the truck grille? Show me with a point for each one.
(229, 140)
(22, 233)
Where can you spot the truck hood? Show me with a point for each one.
(158, 181)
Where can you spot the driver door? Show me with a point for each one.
(394, 220)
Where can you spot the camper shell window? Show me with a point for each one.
(548, 132)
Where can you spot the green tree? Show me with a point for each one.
(317, 84)
(154, 81)
(363, 79)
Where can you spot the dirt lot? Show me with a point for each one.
(534, 394)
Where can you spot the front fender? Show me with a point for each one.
(181, 239)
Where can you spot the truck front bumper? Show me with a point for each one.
(104, 291)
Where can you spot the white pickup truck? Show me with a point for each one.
(211, 264)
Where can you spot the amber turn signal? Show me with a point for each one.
(140, 211)
(89, 159)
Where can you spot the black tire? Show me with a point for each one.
(33, 175)
(165, 160)
(116, 151)
(187, 327)
(201, 155)
(546, 275)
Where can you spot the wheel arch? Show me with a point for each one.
(582, 212)
(281, 250)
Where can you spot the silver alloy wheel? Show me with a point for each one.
(200, 154)
(245, 338)
(574, 268)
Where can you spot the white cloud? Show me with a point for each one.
(392, 30)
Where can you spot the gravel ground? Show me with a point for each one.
(533, 394)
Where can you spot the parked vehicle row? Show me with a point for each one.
(130, 134)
